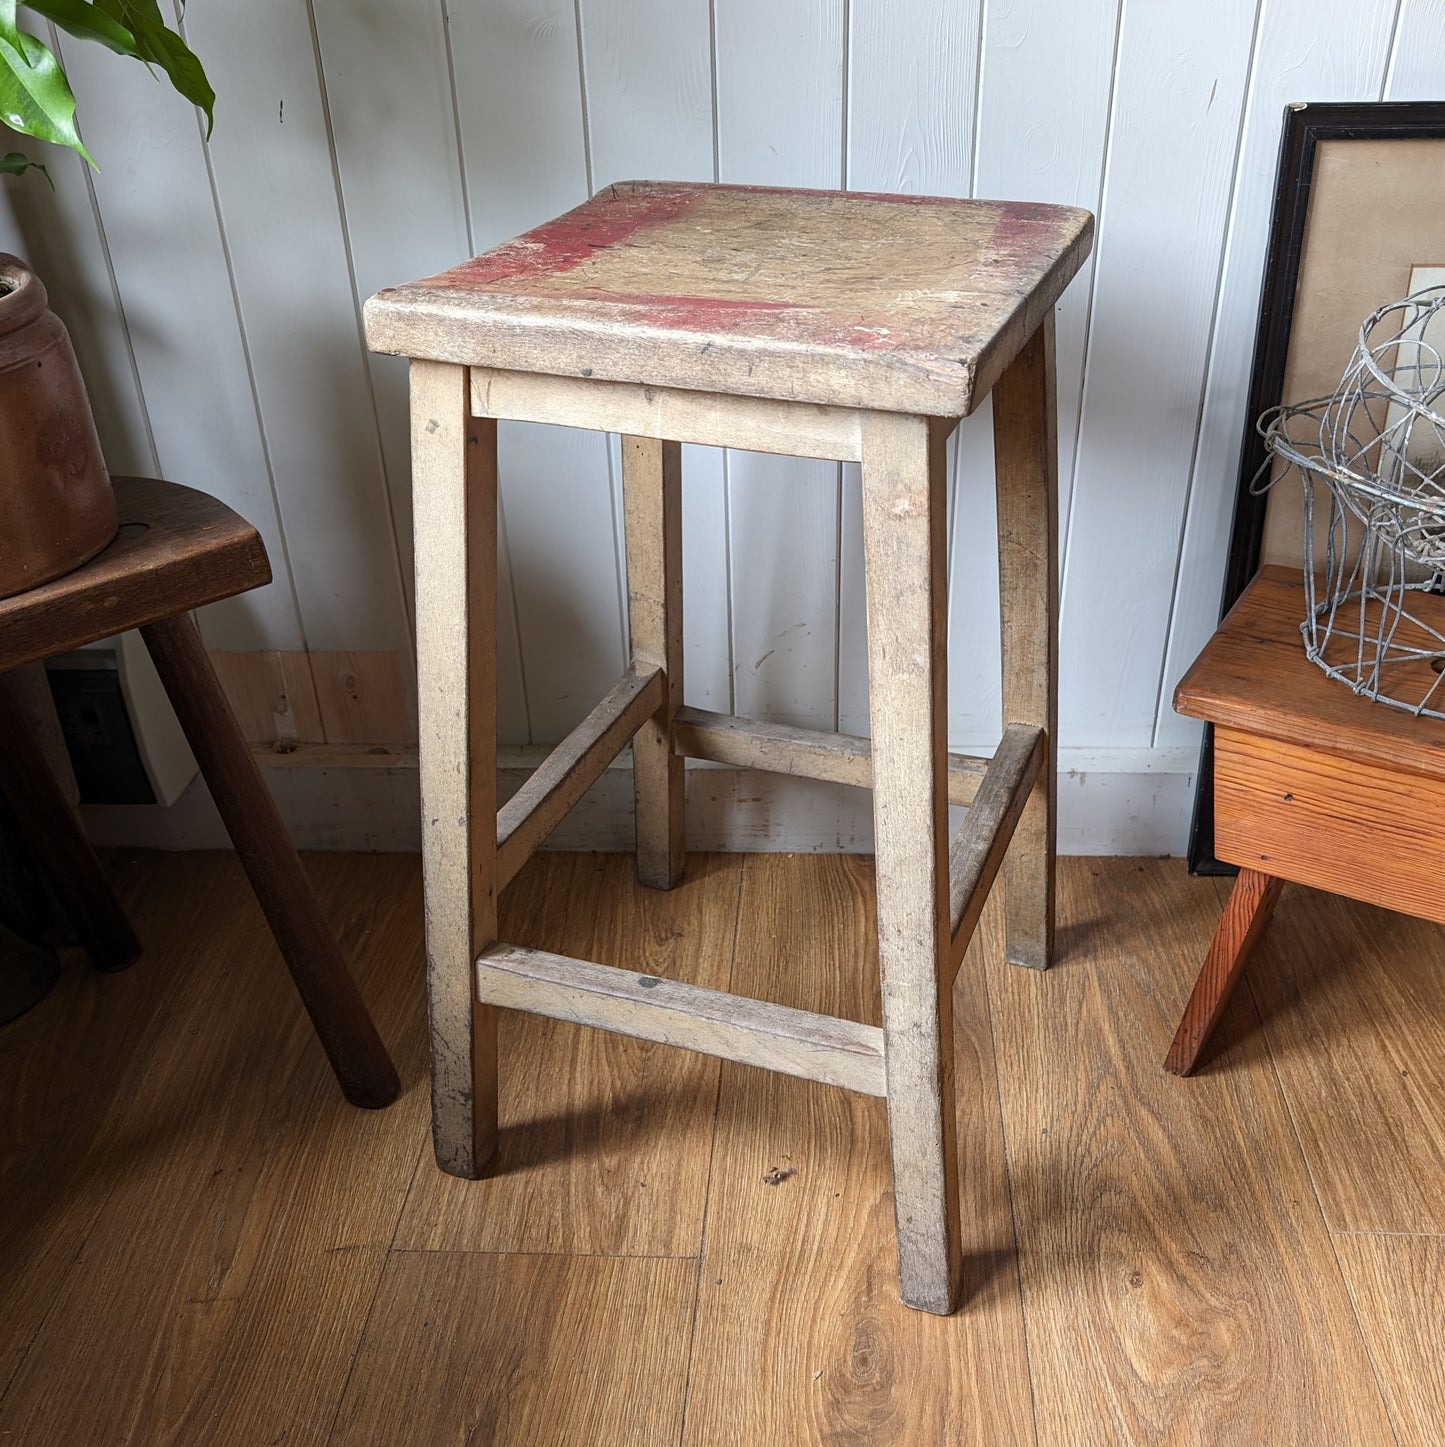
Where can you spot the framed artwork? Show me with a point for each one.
(1358, 222)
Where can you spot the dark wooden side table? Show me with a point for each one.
(176, 550)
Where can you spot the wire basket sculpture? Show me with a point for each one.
(1375, 619)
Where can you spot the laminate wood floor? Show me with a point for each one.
(201, 1243)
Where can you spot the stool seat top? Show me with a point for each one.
(176, 549)
(1254, 676)
(900, 303)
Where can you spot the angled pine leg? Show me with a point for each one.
(454, 483)
(904, 552)
(1251, 902)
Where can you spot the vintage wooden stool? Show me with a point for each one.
(177, 549)
(1312, 785)
(816, 324)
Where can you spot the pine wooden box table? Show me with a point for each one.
(1312, 783)
(817, 324)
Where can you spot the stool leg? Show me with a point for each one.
(51, 830)
(454, 483)
(652, 509)
(1251, 902)
(904, 556)
(337, 1011)
(1026, 464)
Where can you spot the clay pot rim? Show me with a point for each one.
(25, 300)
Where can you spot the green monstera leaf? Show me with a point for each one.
(35, 96)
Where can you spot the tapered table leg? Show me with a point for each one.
(904, 557)
(1026, 465)
(345, 1029)
(1251, 902)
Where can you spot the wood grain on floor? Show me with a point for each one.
(200, 1242)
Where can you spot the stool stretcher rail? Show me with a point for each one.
(983, 838)
(807, 753)
(759, 424)
(752, 1032)
(540, 805)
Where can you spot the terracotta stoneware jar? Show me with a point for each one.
(56, 506)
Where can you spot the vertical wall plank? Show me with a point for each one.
(912, 73)
(1043, 109)
(172, 273)
(1324, 50)
(276, 193)
(780, 123)
(1417, 66)
(524, 148)
(1174, 133)
(648, 70)
(394, 132)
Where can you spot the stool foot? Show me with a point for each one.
(345, 1029)
(904, 553)
(652, 511)
(1251, 902)
(1026, 464)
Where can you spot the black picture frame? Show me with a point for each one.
(1305, 126)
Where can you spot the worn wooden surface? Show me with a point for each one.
(175, 550)
(363, 697)
(469, 1348)
(652, 525)
(784, 1351)
(186, 1257)
(1253, 675)
(807, 753)
(1026, 461)
(819, 1047)
(454, 474)
(903, 303)
(1144, 1258)
(272, 693)
(604, 1140)
(1397, 1284)
(1251, 902)
(904, 534)
(796, 429)
(983, 838)
(530, 815)
(1352, 1010)
(1180, 1283)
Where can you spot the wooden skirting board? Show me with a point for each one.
(297, 696)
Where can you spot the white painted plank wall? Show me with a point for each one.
(213, 296)
(1321, 50)
(173, 277)
(648, 70)
(780, 75)
(912, 83)
(1179, 89)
